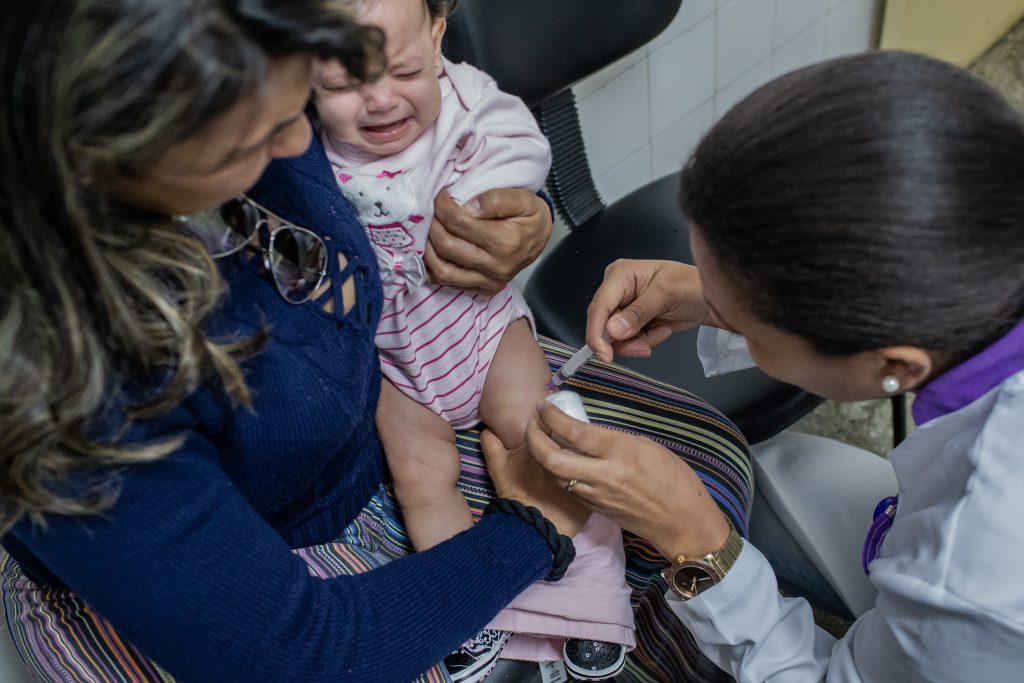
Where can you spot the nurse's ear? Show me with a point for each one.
(904, 368)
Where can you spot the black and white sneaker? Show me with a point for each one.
(593, 660)
(474, 660)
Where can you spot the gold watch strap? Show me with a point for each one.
(725, 557)
(714, 565)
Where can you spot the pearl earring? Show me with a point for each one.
(890, 384)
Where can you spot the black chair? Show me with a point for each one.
(539, 49)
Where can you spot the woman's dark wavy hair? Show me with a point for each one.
(869, 201)
(90, 299)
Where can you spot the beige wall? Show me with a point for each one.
(954, 30)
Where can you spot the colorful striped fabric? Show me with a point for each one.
(61, 639)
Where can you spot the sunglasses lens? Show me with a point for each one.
(242, 218)
(226, 229)
(298, 260)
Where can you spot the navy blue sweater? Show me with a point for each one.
(193, 563)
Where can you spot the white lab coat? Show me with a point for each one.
(950, 577)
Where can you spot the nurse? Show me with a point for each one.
(860, 223)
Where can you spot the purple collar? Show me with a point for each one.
(969, 381)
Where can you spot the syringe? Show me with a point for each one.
(570, 367)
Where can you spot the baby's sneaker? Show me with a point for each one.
(593, 660)
(477, 656)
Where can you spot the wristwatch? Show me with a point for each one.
(689, 577)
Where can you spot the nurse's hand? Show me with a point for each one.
(633, 481)
(640, 303)
(482, 245)
(518, 476)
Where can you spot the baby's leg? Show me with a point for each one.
(420, 449)
(516, 382)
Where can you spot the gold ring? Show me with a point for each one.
(571, 485)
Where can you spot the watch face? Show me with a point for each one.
(691, 579)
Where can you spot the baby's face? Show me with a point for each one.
(384, 117)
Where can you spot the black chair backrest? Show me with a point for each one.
(537, 48)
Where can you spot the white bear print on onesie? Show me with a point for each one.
(386, 205)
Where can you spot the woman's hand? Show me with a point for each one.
(633, 481)
(518, 476)
(481, 246)
(640, 303)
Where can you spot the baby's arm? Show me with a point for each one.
(502, 146)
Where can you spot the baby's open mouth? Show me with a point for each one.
(386, 131)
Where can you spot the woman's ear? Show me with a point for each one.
(910, 365)
(436, 34)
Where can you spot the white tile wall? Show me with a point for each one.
(850, 25)
(804, 48)
(673, 146)
(744, 35)
(643, 115)
(793, 16)
(745, 83)
(690, 14)
(618, 116)
(680, 74)
(630, 173)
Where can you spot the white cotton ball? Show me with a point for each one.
(570, 403)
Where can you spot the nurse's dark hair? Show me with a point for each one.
(94, 297)
(869, 201)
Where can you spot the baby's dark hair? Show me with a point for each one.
(869, 201)
(436, 9)
(440, 8)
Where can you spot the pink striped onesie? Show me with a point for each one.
(436, 342)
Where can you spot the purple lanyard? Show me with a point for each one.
(885, 511)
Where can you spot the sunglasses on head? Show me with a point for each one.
(295, 257)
